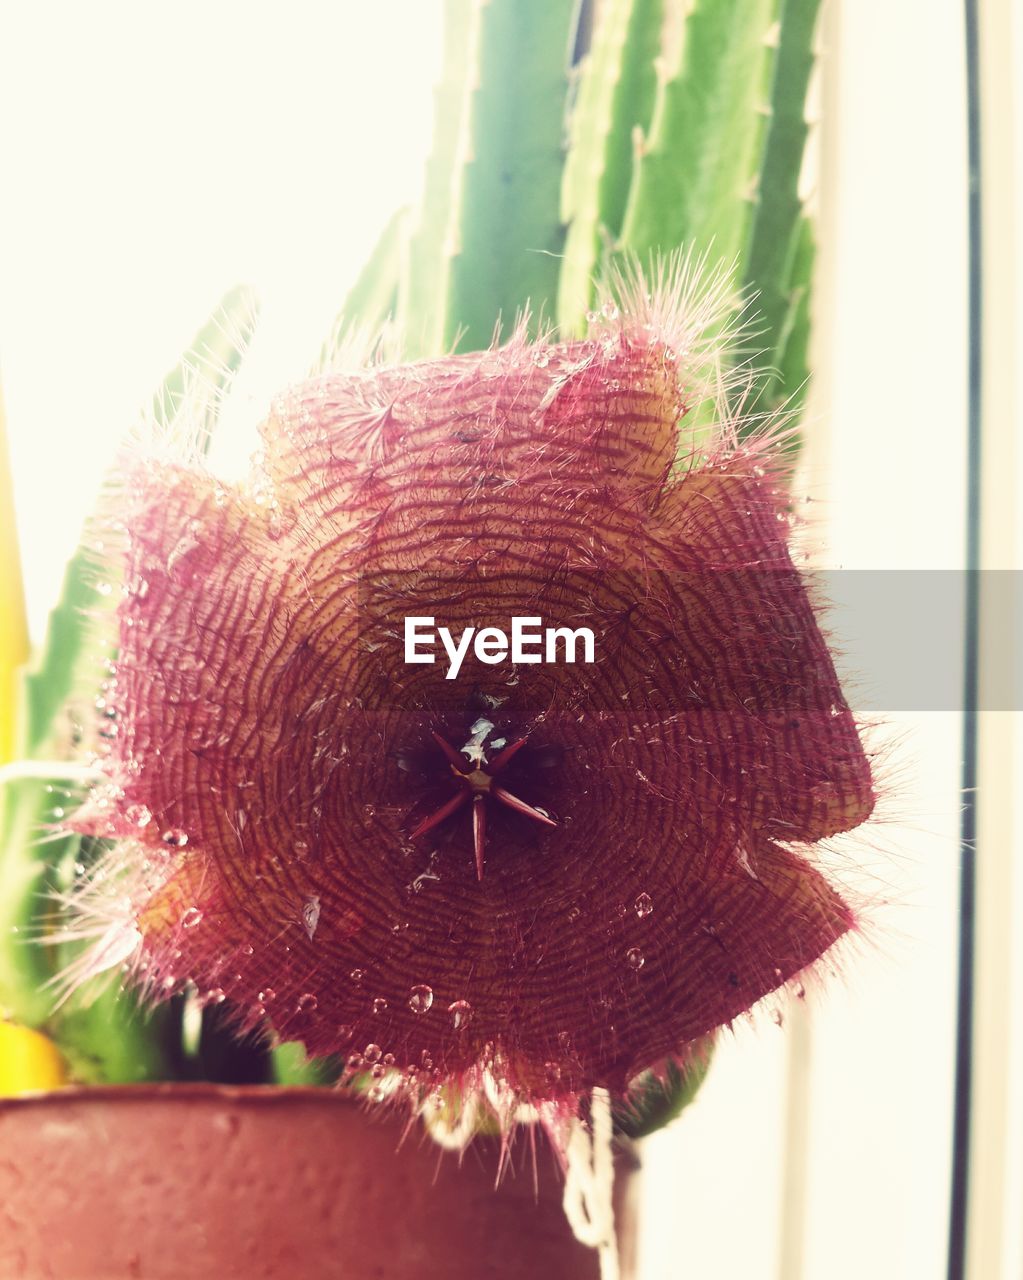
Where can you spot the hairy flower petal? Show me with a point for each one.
(292, 766)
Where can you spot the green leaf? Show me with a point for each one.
(489, 234)
(616, 92)
(112, 1039)
(423, 292)
(778, 258)
(509, 230)
(693, 178)
(373, 298)
(793, 348)
(194, 389)
(292, 1065)
(59, 690)
(102, 1036)
(657, 1098)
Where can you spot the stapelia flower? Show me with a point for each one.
(553, 875)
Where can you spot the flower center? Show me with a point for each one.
(477, 784)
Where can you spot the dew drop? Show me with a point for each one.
(357, 975)
(307, 1002)
(388, 1059)
(635, 959)
(175, 837)
(191, 918)
(420, 999)
(216, 995)
(247, 950)
(378, 1071)
(379, 1004)
(553, 1070)
(355, 1060)
(184, 546)
(138, 815)
(267, 996)
(643, 905)
(573, 914)
(372, 1053)
(461, 1014)
(344, 1033)
(311, 916)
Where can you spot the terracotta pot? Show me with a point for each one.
(204, 1182)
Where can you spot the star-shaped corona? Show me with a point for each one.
(476, 783)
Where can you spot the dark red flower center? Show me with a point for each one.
(477, 783)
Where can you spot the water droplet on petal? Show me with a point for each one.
(420, 999)
(138, 815)
(191, 918)
(267, 996)
(461, 1014)
(643, 905)
(372, 1053)
(357, 975)
(344, 1033)
(634, 958)
(311, 916)
(307, 1002)
(379, 1004)
(175, 837)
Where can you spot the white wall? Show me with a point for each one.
(153, 157)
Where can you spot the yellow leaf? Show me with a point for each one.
(28, 1061)
(13, 627)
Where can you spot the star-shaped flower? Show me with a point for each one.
(559, 873)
